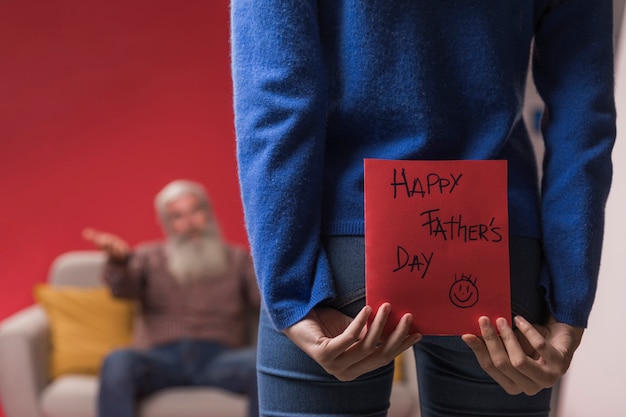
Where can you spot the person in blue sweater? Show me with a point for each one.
(319, 85)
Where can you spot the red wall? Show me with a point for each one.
(101, 104)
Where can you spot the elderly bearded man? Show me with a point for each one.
(193, 290)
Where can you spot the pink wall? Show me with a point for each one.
(101, 104)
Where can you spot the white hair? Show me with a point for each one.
(174, 190)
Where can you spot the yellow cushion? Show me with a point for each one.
(398, 371)
(86, 324)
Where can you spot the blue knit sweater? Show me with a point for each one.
(321, 84)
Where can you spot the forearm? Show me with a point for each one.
(280, 102)
(121, 279)
(574, 75)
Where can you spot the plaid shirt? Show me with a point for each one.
(215, 310)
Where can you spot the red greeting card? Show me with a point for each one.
(436, 242)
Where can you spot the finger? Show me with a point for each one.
(484, 360)
(368, 344)
(519, 367)
(117, 252)
(399, 340)
(484, 354)
(337, 354)
(396, 342)
(350, 357)
(120, 248)
(383, 354)
(375, 330)
(88, 234)
(492, 340)
(516, 353)
(549, 365)
(99, 239)
(352, 334)
(537, 340)
(104, 241)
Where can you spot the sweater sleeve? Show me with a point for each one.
(573, 71)
(280, 104)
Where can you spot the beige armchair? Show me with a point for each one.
(26, 389)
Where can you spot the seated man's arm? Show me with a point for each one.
(123, 272)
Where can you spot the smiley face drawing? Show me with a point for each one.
(464, 292)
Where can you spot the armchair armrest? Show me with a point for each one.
(24, 360)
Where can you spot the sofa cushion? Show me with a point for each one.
(70, 396)
(86, 324)
(76, 396)
(194, 402)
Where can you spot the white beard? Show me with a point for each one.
(201, 259)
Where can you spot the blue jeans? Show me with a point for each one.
(451, 381)
(129, 375)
